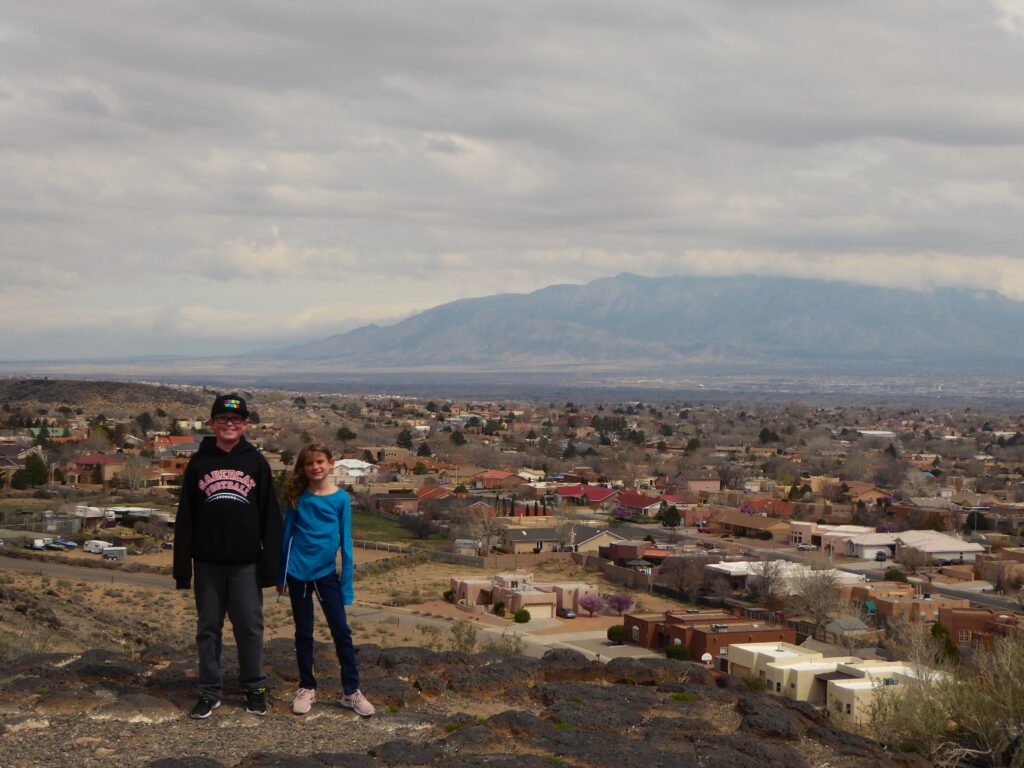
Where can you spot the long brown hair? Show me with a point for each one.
(297, 481)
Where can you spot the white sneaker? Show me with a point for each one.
(303, 700)
(358, 702)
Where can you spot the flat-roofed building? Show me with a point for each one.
(804, 680)
(856, 684)
(752, 659)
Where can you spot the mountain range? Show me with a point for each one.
(675, 323)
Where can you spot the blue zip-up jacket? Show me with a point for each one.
(314, 531)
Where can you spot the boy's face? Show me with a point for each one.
(228, 428)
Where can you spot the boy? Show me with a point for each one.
(229, 529)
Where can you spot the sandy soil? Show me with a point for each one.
(96, 614)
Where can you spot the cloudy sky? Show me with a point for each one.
(182, 175)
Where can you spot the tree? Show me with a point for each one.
(145, 421)
(693, 444)
(815, 593)
(424, 450)
(404, 439)
(767, 436)
(345, 434)
(620, 602)
(685, 574)
(33, 473)
(592, 603)
(457, 438)
(135, 472)
(668, 515)
(913, 559)
(766, 580)
(36, 469)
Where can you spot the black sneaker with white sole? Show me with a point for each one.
(256, 701)
(203, 708)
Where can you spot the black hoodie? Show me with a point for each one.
(227, 512)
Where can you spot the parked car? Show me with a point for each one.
(805, 547)
(881, 556)
(565, 613)
(66, 543)
(702, 529)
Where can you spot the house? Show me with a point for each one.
(531, 475)
(754, 526)
(12, 458)
(496, 479)
(701, 631)
(636, 504)
(702, 481)
(773, 507)
(94, 467)
(584, 538)
(353, 471)
(531, 540)
(860, 492)
(518, 590)
(844, 685)
(586, 495)
(852, 688)
(978, 627)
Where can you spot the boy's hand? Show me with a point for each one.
(280, 589)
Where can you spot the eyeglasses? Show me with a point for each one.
(228, 420)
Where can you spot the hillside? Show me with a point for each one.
(673, 323)
(110, 397)
(97, 680)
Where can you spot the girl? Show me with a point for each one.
(318, 522)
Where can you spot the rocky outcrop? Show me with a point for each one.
(433, 709)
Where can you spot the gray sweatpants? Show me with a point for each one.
(235, 590)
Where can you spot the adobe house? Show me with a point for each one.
(702, 631)
(977, 627)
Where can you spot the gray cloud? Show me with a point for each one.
(292, 170)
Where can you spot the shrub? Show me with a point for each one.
(521, 616)
(498, 609)
(677, 652)
(617, 634)
(463, 637)
(449, 595)
(895, 574)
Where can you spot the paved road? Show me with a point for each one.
(108, 575)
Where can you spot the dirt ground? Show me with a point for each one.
(97, 614)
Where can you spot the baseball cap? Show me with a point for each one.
(233, 403)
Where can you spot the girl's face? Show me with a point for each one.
(317, 466)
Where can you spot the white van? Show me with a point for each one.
(95, 546)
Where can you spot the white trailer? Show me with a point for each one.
(115, 553)
(96, 546)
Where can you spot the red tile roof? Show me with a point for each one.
(593, 493)
(97, 458)
(636, 500)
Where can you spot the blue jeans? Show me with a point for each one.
(328, 591)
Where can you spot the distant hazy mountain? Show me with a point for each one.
(672, 323)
